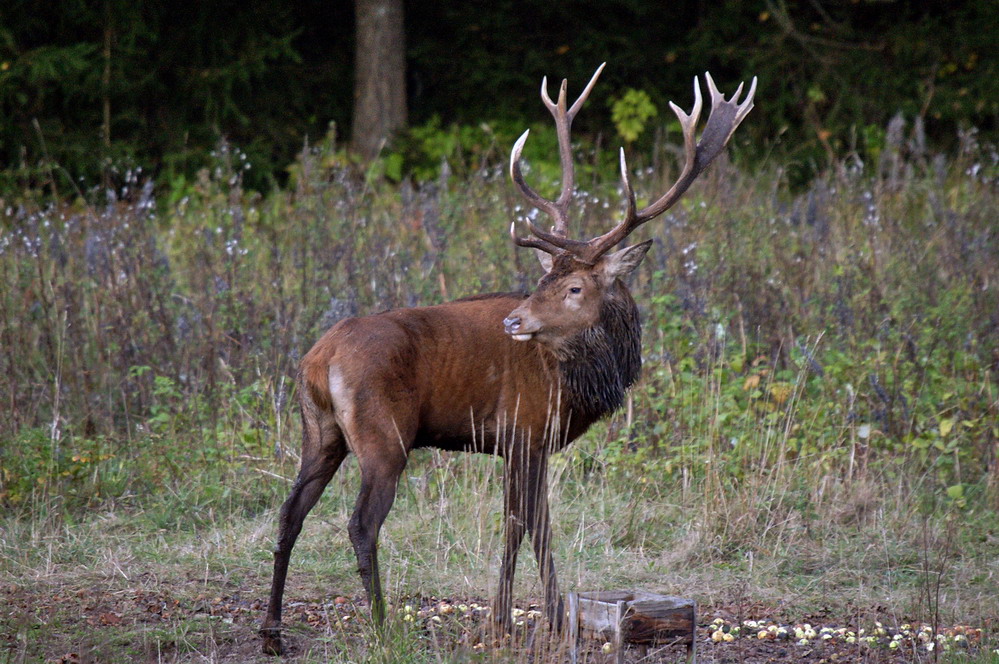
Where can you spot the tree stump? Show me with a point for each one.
(632, 616)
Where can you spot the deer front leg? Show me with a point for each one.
(514, 529)
(526, 509)
(539, 526)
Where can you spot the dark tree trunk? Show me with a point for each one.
(380, 75)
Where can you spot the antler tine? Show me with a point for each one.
(578, 104)
(517, 176)
(558, 210)
(723, 120)
(563, 124)
(553, 107)
(629, 192)
(549, 242)
(530, 242)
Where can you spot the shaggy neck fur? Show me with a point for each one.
(598, 365)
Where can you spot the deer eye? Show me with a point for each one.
(575, 290)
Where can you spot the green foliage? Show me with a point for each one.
(631, 112)
(421, 150)
(80, 470)
(837, 331)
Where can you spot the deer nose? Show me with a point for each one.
(511, 324)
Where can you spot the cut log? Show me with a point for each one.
(632, 616)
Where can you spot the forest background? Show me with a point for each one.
(93, 86)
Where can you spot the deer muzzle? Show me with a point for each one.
(514, 326)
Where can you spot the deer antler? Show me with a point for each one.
(558, 209)
(724, 118)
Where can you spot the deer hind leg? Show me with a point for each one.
(381, 445)
(323, 450)
(378, 486)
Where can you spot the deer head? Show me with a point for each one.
(581, 276)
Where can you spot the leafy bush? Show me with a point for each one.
(631, 112)
(850, 328)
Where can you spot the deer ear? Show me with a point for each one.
(622, 263)
(546, 260)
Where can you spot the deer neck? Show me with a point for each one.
(597, 366)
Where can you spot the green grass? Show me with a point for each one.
(814, 433)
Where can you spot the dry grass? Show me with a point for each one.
(84, 584)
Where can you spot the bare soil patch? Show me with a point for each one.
(147, 620)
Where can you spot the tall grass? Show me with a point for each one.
(816, 419)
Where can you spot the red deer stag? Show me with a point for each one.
(505, 373)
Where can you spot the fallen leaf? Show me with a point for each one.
(111, 619)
